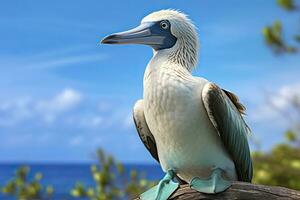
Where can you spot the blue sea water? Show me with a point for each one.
(64, 176)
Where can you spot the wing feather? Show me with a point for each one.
(224, 111)
(143, 130)
(235, 100)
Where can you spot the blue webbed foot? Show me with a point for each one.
(163, 190)
(214, 184)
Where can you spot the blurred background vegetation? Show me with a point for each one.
(21, 187)
(274, 33)
(279, 167)
(111, 181)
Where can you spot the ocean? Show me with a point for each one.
(64, 176)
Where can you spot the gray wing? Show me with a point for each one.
(224, 111)
(143, 130)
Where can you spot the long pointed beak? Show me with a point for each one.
(139, 35)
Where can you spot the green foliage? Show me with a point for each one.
(24, 189)
(291, 136)
(281, 166)
(110, 181)
(273, 34)
(273, 37)
(137, 185)
(109, 177)
(287, 4)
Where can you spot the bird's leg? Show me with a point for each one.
(163, 190)
(211, 185)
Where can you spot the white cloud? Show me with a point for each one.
(14, 111)
(18, 110)
(62, 102)
(277, 104)
(66, 109)
(285, 95)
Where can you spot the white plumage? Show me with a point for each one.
(188, 124)
(185, 138)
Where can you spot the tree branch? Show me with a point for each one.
(238, 190)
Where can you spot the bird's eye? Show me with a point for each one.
(164, 25)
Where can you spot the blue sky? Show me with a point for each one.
(63, 94)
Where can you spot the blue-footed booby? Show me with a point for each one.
(192, 127)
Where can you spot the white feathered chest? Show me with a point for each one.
(178, 121)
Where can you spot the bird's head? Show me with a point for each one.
(167, 31)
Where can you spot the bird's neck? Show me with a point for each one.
(161, 66)
(181, 54)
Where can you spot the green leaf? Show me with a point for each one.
(287, 4)
(291, 136)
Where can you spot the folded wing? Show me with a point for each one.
(143, 130)
(225, 113)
